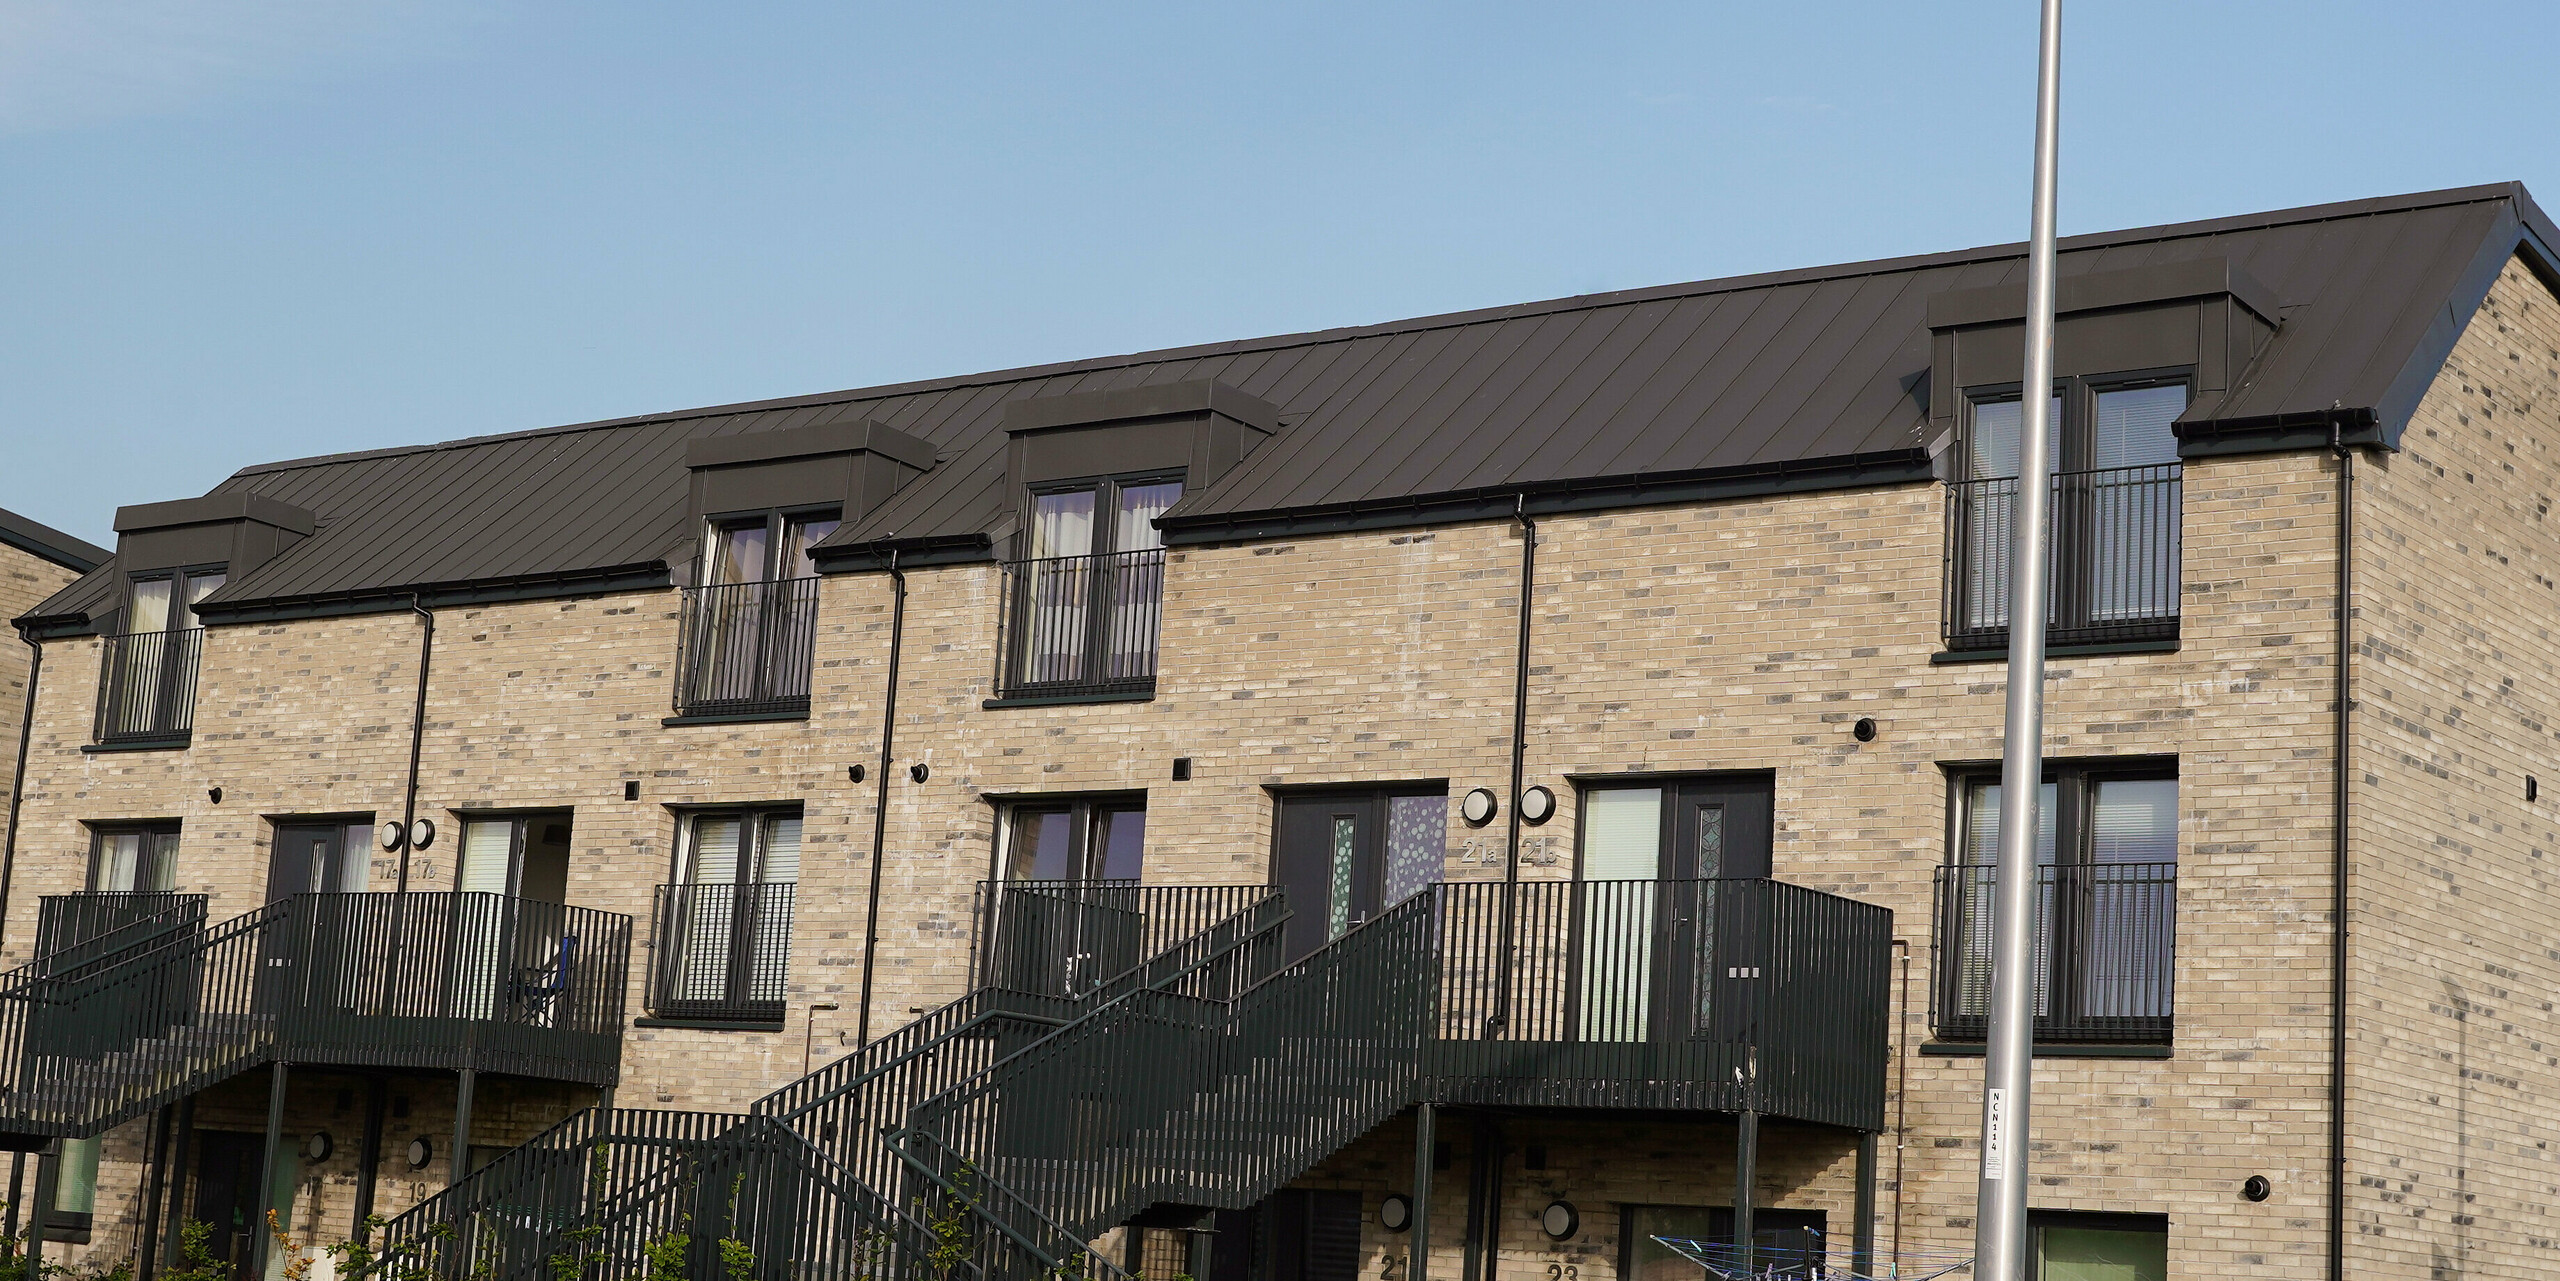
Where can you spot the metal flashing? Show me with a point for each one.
(2101, 290)
(853, 436)
(214, 508)
(1162, 400)
(50, 544)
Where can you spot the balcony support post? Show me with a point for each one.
(152, 1192)
(369, 1153)
(179, 1152)
(1862, 1232)
(459, 1163)
(48, 1173)
(1746, 1175)
(1425, 1145)
(261, 1241)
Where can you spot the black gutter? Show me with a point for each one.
(18, 781)
(888, 554)
(1519, 766)
(639, 576)
(2326, 429)
(2338, 900)
(880, 812)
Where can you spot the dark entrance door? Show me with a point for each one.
(227, 1196)
(1674, 960)
(317, 858)
(1343, 857)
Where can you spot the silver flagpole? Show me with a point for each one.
(2000, 1211)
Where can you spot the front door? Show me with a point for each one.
(1668, 935)
(1343, 857)
(319, 858)
(227, 1200)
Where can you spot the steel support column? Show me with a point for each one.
(1746, 1174)
(458, 1164)
(170, 1247)
(152, 1193)
(1862, 1234)
(1425, 1148)
(369, 1153)
(259, 1238)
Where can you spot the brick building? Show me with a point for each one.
(1181, 798)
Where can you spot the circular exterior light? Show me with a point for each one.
(420, 1152)
(1395, 1214)
(422, 833)
(1537, 805)
(391, 835)
(319, 1146)
(1479, 807)
(1560, 1220)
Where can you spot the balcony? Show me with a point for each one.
(1067, 938)
(723, 952)
(2105, 953)
(745, 650)
(147, 688)
(2113, 578)
(1081, 628)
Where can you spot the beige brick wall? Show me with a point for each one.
(25, 581)
(2454, 1102)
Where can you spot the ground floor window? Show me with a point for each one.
(1785, 1236)
(133, 858)
(1075, 838)
(2070, 1246)
(75, 1191)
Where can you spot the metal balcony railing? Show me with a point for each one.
(723, 951)
(1066, 938)
(2105, 958)
(2114, 570)
(745, 648)
(147, 685)
(1081, 626)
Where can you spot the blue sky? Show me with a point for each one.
(239, 232)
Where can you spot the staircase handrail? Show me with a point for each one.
(1077, 1258)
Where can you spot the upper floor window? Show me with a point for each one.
(765, 546)
(1084, 607)
(2106, 897)
(724, 924)
(147, 680)
(750, 626)
(2114, 481)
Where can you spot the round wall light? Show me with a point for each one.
(1478, 807)
(1395, 1214)
(422, 833)
(391, 835)
(2257, 1188)
(1560, 1220)
(1537, 805)
(420, 1152)
(319, 1146)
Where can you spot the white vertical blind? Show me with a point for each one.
(1622, 834)
(781, 848)
(715, 849)
(488, 849)
(1622, 841)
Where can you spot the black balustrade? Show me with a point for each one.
(723, 951)
(1066, 938)
(1081, 626)
(746, 648)
(2105, 952)
(147, 685)
(2113, 576)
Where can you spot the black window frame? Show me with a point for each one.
(177, 576)
(775, 520)
(1091, 619)
(170, 828)
(747, 648)
(2152, 489)
(757, 930)
(2086, 1220)
(1085, 811)
(1106, 507)
(2075, 914)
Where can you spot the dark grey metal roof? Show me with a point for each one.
(1788, 380)
(52, 544)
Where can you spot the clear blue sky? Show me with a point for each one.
(238, 232)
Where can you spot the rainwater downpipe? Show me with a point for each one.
(2339, 866)
(18, 780)
(1519, 766)
(880, 811)
(409, 802)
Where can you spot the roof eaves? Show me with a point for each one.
(51, 544)
(562, 585)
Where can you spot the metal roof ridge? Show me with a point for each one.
(2332, 211)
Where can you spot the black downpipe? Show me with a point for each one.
(2338, 871)
(18, 781)
(1501, 1017)
(880, 813)
(409, 801)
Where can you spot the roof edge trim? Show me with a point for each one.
(561, 585)
(44, 541)
(881, 554)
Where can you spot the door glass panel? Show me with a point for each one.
(1997, 427)
(780, 856)
(799, 534)
(1121, 837)
(1060, 583)
(2134, 426)
(1346, 857)
(1710, 833)
(2129, 907)
(488, 856)
(1975, 924)
(1417, 837)
(2088, 1254)
(715, 849)
(1062, 524)
(2134, 505)
(1041, 840)
(1134, 527)
(75, 1190)
(199, 586)
(1622, 849)
(151, 605)
(737, 553)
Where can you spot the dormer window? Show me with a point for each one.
(166, 601)
(750, 624)
(147, 682)
(2115, 486)
(1084, 606)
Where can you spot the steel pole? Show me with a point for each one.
(2000, 1212)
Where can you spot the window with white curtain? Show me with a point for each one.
(1089, 594)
